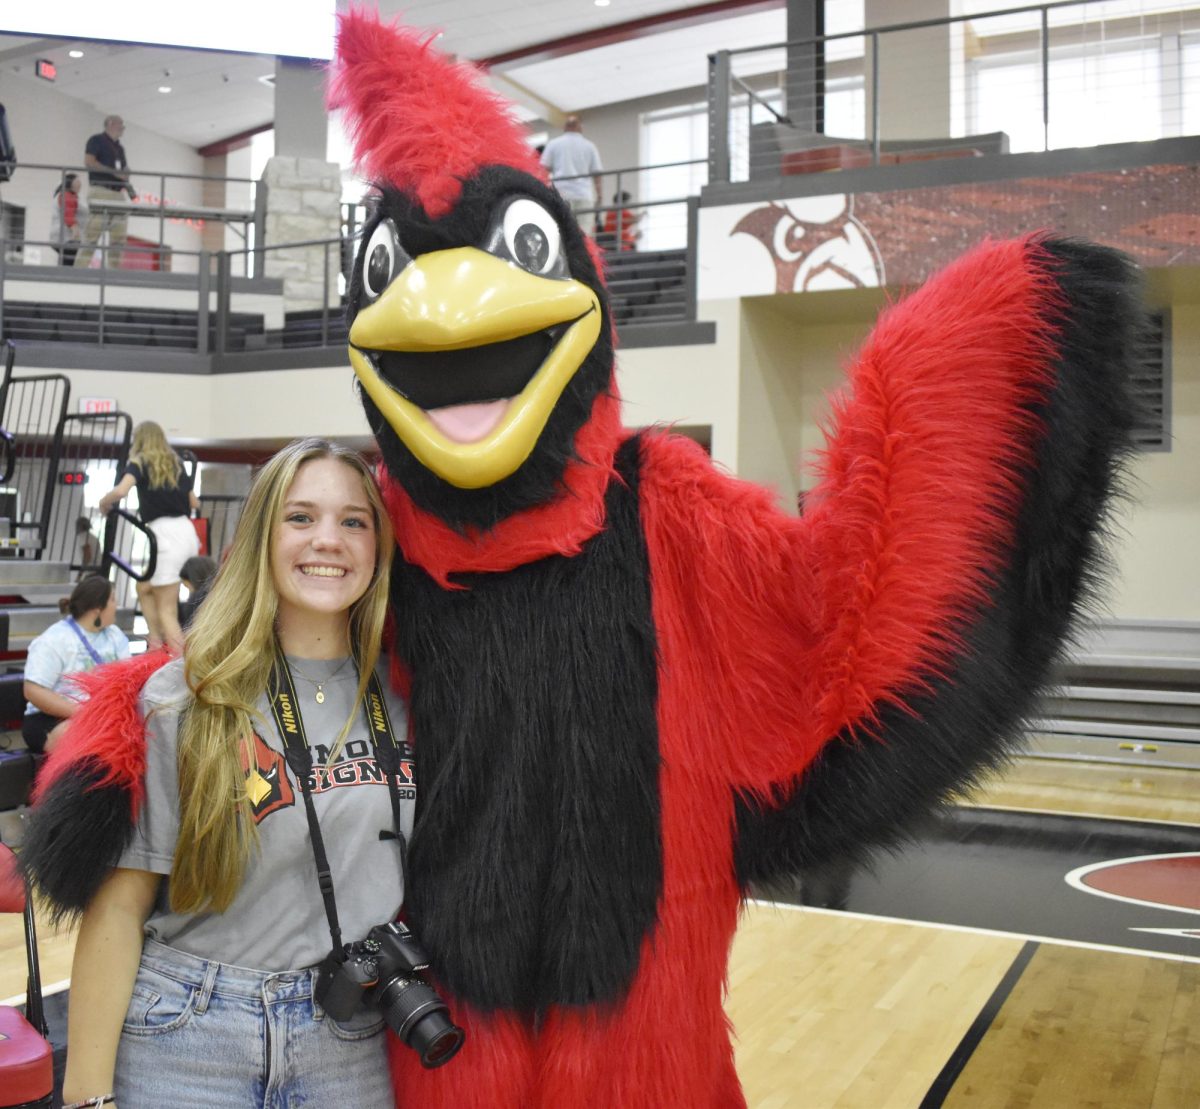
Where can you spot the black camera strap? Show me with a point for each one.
(285, 707)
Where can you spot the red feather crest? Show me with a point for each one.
(419, 121)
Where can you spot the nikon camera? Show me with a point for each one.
(386, 970)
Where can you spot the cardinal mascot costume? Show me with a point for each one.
(636, 687)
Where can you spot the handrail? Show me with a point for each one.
(111, 558)
(914, 25)
(138, 172)
(10, 455)
(632, 169)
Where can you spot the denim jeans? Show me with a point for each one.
(203, 1035)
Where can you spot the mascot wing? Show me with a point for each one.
(90, 788)
(864, 660)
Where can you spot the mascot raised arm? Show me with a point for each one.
(635, 686)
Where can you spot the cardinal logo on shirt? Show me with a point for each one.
(267, 782)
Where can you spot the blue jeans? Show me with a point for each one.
(203, 1035)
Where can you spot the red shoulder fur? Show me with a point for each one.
(108, 730)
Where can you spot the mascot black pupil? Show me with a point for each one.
(379, 268)
(532, 248)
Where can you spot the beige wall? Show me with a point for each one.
(1158, 534)
(695, 385)
(792, 353)
(51, 128)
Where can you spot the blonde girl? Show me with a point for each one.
(194, 968)
(165, 500)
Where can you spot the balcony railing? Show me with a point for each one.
(1038, 77)
(161, 202)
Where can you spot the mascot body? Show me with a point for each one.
(635, 686)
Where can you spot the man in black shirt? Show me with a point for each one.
(108, 182)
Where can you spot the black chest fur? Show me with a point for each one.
(536, 860)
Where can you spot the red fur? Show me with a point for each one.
(418, 120)
(560, 527)
(107, 731)
(810, 625)
(776, 633)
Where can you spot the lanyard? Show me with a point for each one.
(281, 691)
(84, 640)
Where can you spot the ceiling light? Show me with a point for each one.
(75, 53)
(164, 88)
(601, 3)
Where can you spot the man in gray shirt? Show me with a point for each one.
(570, 158)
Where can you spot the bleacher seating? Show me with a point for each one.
(1129, 690)
(173, 328)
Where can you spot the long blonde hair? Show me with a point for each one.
(153, 453)
(230, 651)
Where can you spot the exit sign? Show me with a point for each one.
(45, 69)
(90, 406)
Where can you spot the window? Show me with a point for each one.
(1122, 71)
(666, 136)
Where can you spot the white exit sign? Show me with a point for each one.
(89, 406)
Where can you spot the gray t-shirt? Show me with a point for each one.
(568, 156)
(277, 920)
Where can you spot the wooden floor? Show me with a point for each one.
(1094, 789)
(834, 1011)
(840, 1011)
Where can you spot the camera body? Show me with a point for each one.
(386, 969)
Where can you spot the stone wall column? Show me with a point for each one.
(303, 204)
(304, 191)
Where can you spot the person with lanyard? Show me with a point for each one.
(165, 499)
(87, 637)
(279, 795)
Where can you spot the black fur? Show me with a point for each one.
(539, 479)
(536, 860)
(68, 871)
(869, 792)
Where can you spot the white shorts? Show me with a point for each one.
(177, 542)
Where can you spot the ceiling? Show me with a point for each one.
(216, 95)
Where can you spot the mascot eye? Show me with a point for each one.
(383, 258)
(529, 236)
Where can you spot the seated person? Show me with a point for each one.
(87, 637)
(196, 574)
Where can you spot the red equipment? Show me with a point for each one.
(26, 1058)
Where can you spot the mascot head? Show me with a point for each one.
(479, 323)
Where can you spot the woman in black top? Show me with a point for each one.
(165, 499)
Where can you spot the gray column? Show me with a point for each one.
(301, 123)
(917, 70)
(805, 93)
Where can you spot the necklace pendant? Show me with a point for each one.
(320, 696)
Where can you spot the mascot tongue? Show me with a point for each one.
(468, 423)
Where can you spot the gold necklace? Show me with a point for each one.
(320, 698)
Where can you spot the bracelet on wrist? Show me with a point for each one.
(88, 1102)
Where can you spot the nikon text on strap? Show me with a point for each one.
(281, 692)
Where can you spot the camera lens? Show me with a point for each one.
(420, 1019)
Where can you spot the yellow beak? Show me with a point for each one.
(466, 298)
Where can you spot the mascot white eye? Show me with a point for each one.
(382, 260)
(532, 238)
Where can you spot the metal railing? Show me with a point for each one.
(650, 245)
(1036, 77)
(85, 306)
(204, 200)
(640, 207)
(222, 511)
